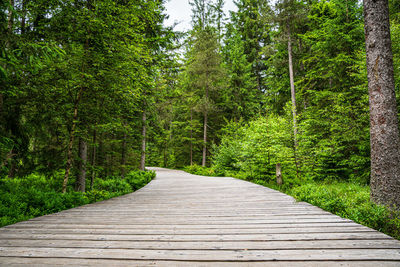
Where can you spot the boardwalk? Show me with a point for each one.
(186, 220)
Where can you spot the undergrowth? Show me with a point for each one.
(35, 195)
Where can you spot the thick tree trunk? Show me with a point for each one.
(385, 144)
(203, 163)
(123, 155)
(93, 163)
(143, 154)
(80, 184)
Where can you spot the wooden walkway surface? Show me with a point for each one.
(187, 220)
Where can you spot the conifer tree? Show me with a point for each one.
(385, 140)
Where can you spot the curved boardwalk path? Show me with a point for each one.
(187, 220)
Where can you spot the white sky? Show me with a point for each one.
(180, 11)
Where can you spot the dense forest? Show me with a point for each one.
(98, 88)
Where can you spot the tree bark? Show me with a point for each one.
(81, 179)
(292, 89)
(203, 163)
(70, 146)
(23, 16)
(93, 163)
(12, 168)
(191, 137)
(293, 94)
(143, 152)
(75, 117)
(123, 154)
(278, 174)
(10, 18)
(384, 128)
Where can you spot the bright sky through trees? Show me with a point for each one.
(180, 11)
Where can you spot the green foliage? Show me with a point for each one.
(139, 179)
(35, 195)
(241, 99)
(255, 148)
(204, 171)
(89, 79)
(349, 200)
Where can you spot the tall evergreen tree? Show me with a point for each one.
(205, 71)
(240, 95)
(385, 140)
(249, 23)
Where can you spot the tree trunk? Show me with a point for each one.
(143, 154)
(23, 16)
(292, 89)
(80, 184)
(1, 104)
(9, 156)
(293, 94)
(93, 163)
(123, 154)
(203, 163)
(10, 18)
(278, 174)
(191, 137)
(70, 146)
(12, 167)
(385, 143)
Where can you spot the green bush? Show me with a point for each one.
(112, 184)
(349, 200)
(35, 195)
(204, 171)
(138, 179)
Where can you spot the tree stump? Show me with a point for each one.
(278, 174)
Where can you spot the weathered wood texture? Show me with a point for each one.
(187, 220)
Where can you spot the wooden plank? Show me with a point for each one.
(220, 245)
(39, 262)
(211, 237)
(29, 225)
(186, 220)
(209, 255)
(192, 222)
(178, 231)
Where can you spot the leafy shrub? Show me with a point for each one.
(138, 179)
(252, 150)
(204, 171)
(112, 184)
(349, 200)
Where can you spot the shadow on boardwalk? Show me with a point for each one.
(181, 219)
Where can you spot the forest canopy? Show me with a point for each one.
(95, 88)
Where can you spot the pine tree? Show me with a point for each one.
(385, 141)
